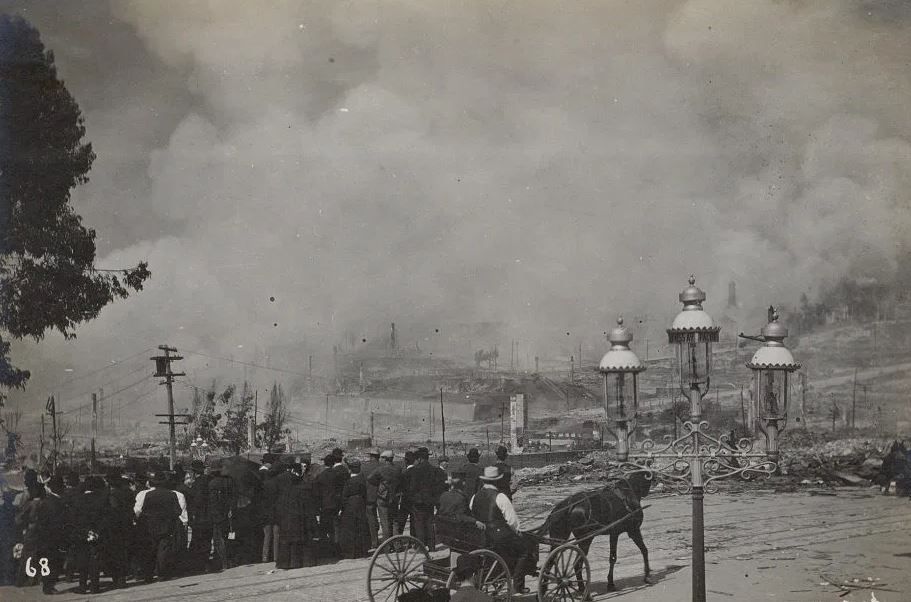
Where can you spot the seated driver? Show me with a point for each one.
(494, 508)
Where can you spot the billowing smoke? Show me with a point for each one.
(546, 165)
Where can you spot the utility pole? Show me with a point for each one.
(163, 370)
(572, 368)
(310, 374)
(255, 414)
(442, 420)
(502, 423)
(41, 444)
(101, 409)
(327, 415)
(536, 364)
(854, 400)
(94, 427)
(372, 439)
(52, 410)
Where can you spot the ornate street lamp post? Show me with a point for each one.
(620, 368)
(772, 365)
(695, 460)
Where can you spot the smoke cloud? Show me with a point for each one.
(544, 165)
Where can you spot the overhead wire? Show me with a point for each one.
(116, 363)
(126, 388)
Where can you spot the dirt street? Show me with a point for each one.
(761, 545)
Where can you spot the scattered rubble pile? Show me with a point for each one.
(807, 458)
(841, 461)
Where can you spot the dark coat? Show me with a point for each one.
(198, 501)
(267, 500)
(91, 512)
(51, 527)
(472, 472)
(121, 501)
(160, 512)
(424, 484)
(289, 507)
(387, 479)
(354, 532)
(367, 469)
(331, 482)
(505, 484)
(222, 498)
(454, 506)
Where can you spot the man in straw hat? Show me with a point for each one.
(494, 508)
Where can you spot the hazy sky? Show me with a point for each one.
(548, 164)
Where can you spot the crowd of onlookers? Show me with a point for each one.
(143, 527)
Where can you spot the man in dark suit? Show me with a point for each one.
(200, 523)
(329, 506)
(505, 482)
(52, 532)
(222, 501)
(424, 483)
(161, 513)
(118, 547)
(472, 472)
(367, 469)
(91, 511)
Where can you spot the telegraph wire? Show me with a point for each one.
(126, 388)
(72, 379)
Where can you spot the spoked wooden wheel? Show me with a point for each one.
(396, 568)
(493, 578)
(558, 581)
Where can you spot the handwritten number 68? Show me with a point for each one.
(42, 562)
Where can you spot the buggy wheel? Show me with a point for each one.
(558, 580)
(396, 568)
(493, 578)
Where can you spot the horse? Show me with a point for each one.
(894, 467)
(584, 513)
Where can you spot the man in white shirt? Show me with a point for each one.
(494, 508)
(160, 509)
(181, 501)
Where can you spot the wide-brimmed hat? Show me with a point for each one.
(422, 452)
(353, 462)
(491, 473)
(473, 453)
(387, 454)
(374, 452)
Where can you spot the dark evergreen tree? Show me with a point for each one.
(48, 278)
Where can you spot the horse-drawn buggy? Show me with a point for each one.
(403, 566)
